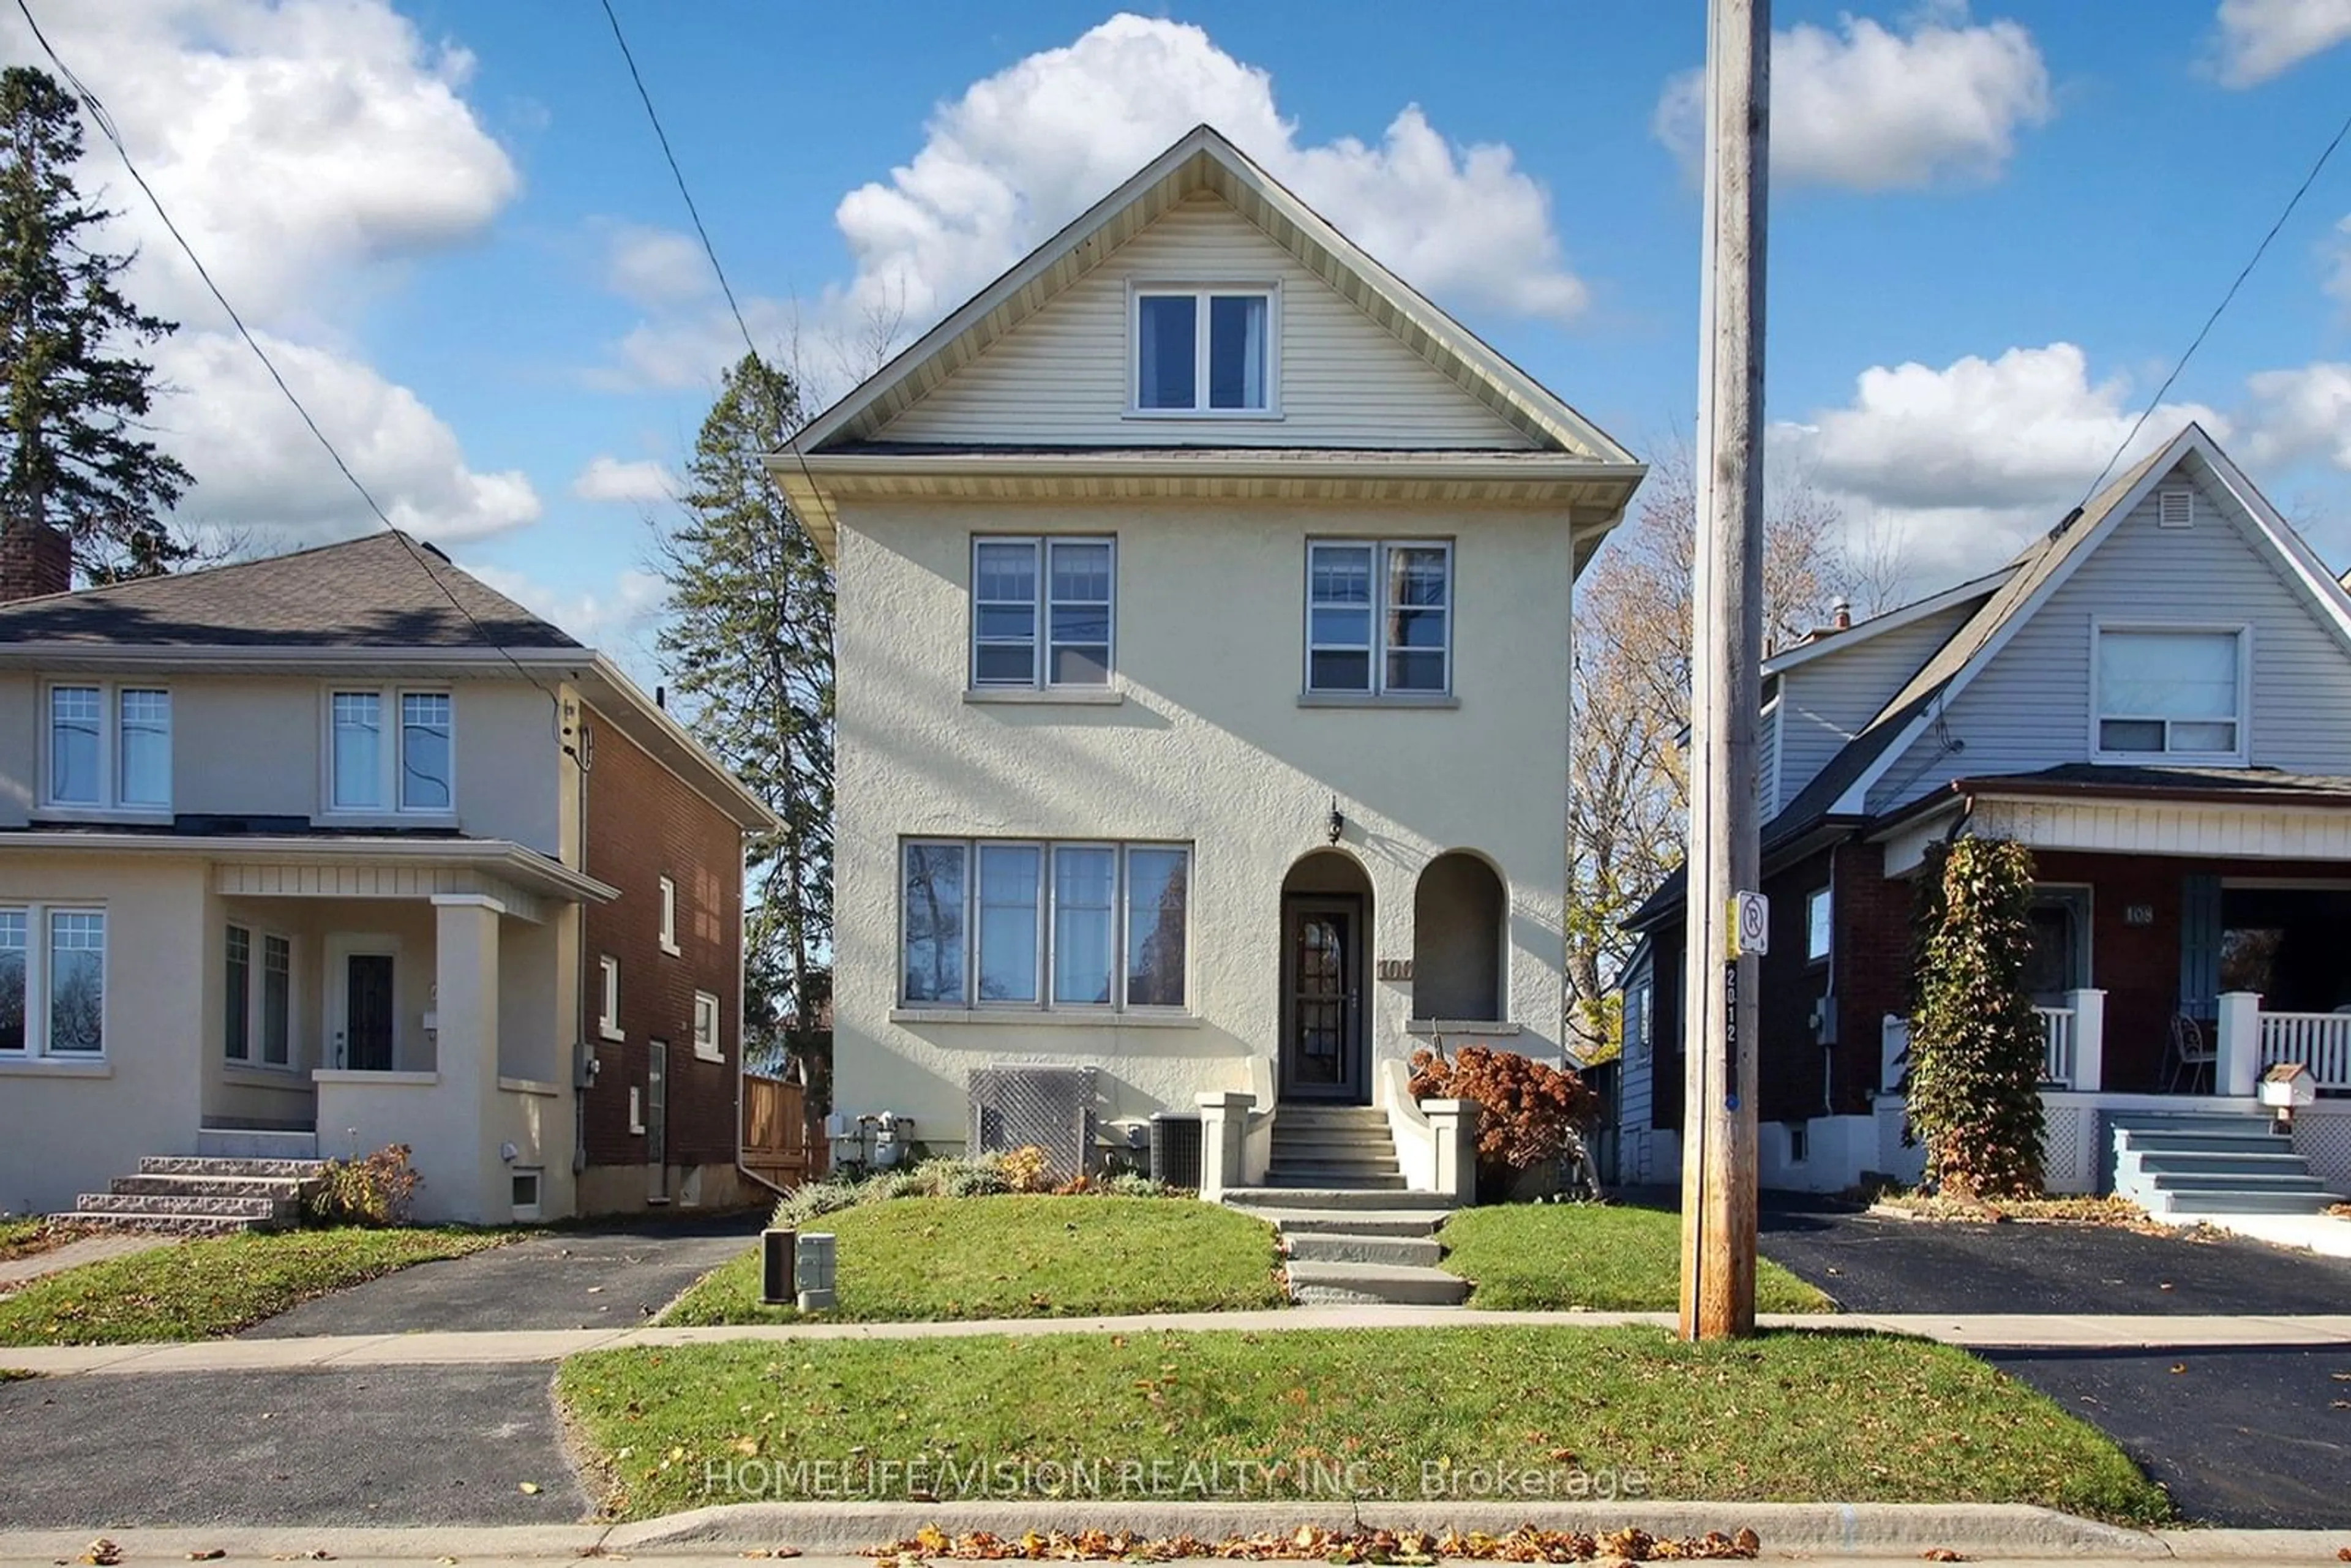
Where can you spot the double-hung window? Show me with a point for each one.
(110, 748)
(607, 1006)
(391, 750)
(2170, 693)
(1819, 930)
(669, 917)
(706, 1027)
(1379, 617)
(1069, 925)
(1205, 351)
(1041, 611)
(259, 1014)
(52, 982)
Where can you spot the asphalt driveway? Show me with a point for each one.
(2241, 1437)
(582, 1276)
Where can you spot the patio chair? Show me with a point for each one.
(2189, 1054)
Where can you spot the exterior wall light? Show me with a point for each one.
(1337, 826)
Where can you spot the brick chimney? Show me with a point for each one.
(35, 559)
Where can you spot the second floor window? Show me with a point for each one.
(408, 766)
(110, 747)
(1379, 617)
(2170, 693)
(1041, 611)
(1204, 350)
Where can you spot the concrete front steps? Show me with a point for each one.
(2188, 1165)
(1352, 1233)
(202, 1195)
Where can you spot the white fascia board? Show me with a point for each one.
(501, 855)
(647, 721)
(2324, 591)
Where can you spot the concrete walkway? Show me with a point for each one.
(509, 1347)
(97, 1249)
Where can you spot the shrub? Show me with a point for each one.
(1022, 1170)
(1975, 1041)
(376, 1190)
(1529, 1112)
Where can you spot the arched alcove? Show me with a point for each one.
(1456, 940)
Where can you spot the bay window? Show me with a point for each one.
(52, 982)
(1059, 926)
(1204, 350)
(1379, 617)
(110, 748)
(2170, 693)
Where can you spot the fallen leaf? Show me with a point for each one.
(1942, 1555)
(2178, 1366)
(529, 1488)
(214, 1555)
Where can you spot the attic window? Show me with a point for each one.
(2175, 508)
(1204, 350)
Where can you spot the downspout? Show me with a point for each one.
(584, 1077)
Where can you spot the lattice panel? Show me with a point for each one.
(1051, 1108)
(2324, 1140)
(2069, 1148)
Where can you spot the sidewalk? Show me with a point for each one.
(2015, 1330)
(16, 1271)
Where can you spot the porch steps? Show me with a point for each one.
(1351, 1234)
(202, 1195)
(258, 1143)
(2191, 1165)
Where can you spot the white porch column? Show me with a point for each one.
(1224, 1132)
(1453, 1124)
(2239, 1066)
(2089, 1040)
(465, 982)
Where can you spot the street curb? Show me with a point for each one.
(1813, 1529)
(426, 1542)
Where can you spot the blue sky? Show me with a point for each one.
(1992, 228)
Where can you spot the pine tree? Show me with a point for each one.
(73, 404)
(1975, 1041)
(748, 646)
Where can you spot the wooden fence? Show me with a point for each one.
(778, 1147)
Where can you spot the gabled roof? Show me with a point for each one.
(1894, 620)
(381, 590)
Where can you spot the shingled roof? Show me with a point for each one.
(383, 591)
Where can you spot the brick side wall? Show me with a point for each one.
(1873, 934)
(643, 823)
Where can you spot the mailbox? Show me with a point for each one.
(2287, 1087)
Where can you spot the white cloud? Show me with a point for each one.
(607, 479)
(613, 619)
(1965, 462)
(2257, 39)
(656, 266)
(309, 149)
(1023, 151)
(258, 468)
(2299, 415)
(1872, 108)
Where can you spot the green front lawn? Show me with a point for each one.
(1790, 1417)
(1533, 1257)
(205, 1289)
(1010, 1256)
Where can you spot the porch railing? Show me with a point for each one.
(2319, 1041)
(2056, 1047)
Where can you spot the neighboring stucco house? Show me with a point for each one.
(2155, 699)
(1203, 605)
(311, 854)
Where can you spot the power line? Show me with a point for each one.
(105, 123)
(678, 175)
(2246, 271)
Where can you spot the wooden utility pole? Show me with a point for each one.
(1719, 1017)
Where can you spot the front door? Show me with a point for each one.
(1321, 999)
(367, 1013)
(657, 1123)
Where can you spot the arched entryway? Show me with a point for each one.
(1456, 940)
(1326, 918)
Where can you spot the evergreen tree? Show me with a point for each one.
(1975, 1041)
(73, 404)
(748, 646)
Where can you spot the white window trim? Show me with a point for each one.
(536, 1208)
(36, 914)
(1825, 893)
(388, 770)
(2240, 757)
(669, 918)
(109, 750)
(715, 1050)
(636, 1111)
(1378, 691)
(1040, 646)
(1203, 292)
(608, 997)
(256, 988)
(969, 1007)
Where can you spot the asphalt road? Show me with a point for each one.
(444, 1445)
(583, 1277)
(2243, 1438)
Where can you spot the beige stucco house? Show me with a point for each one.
(1204, 606)
(313, 854)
